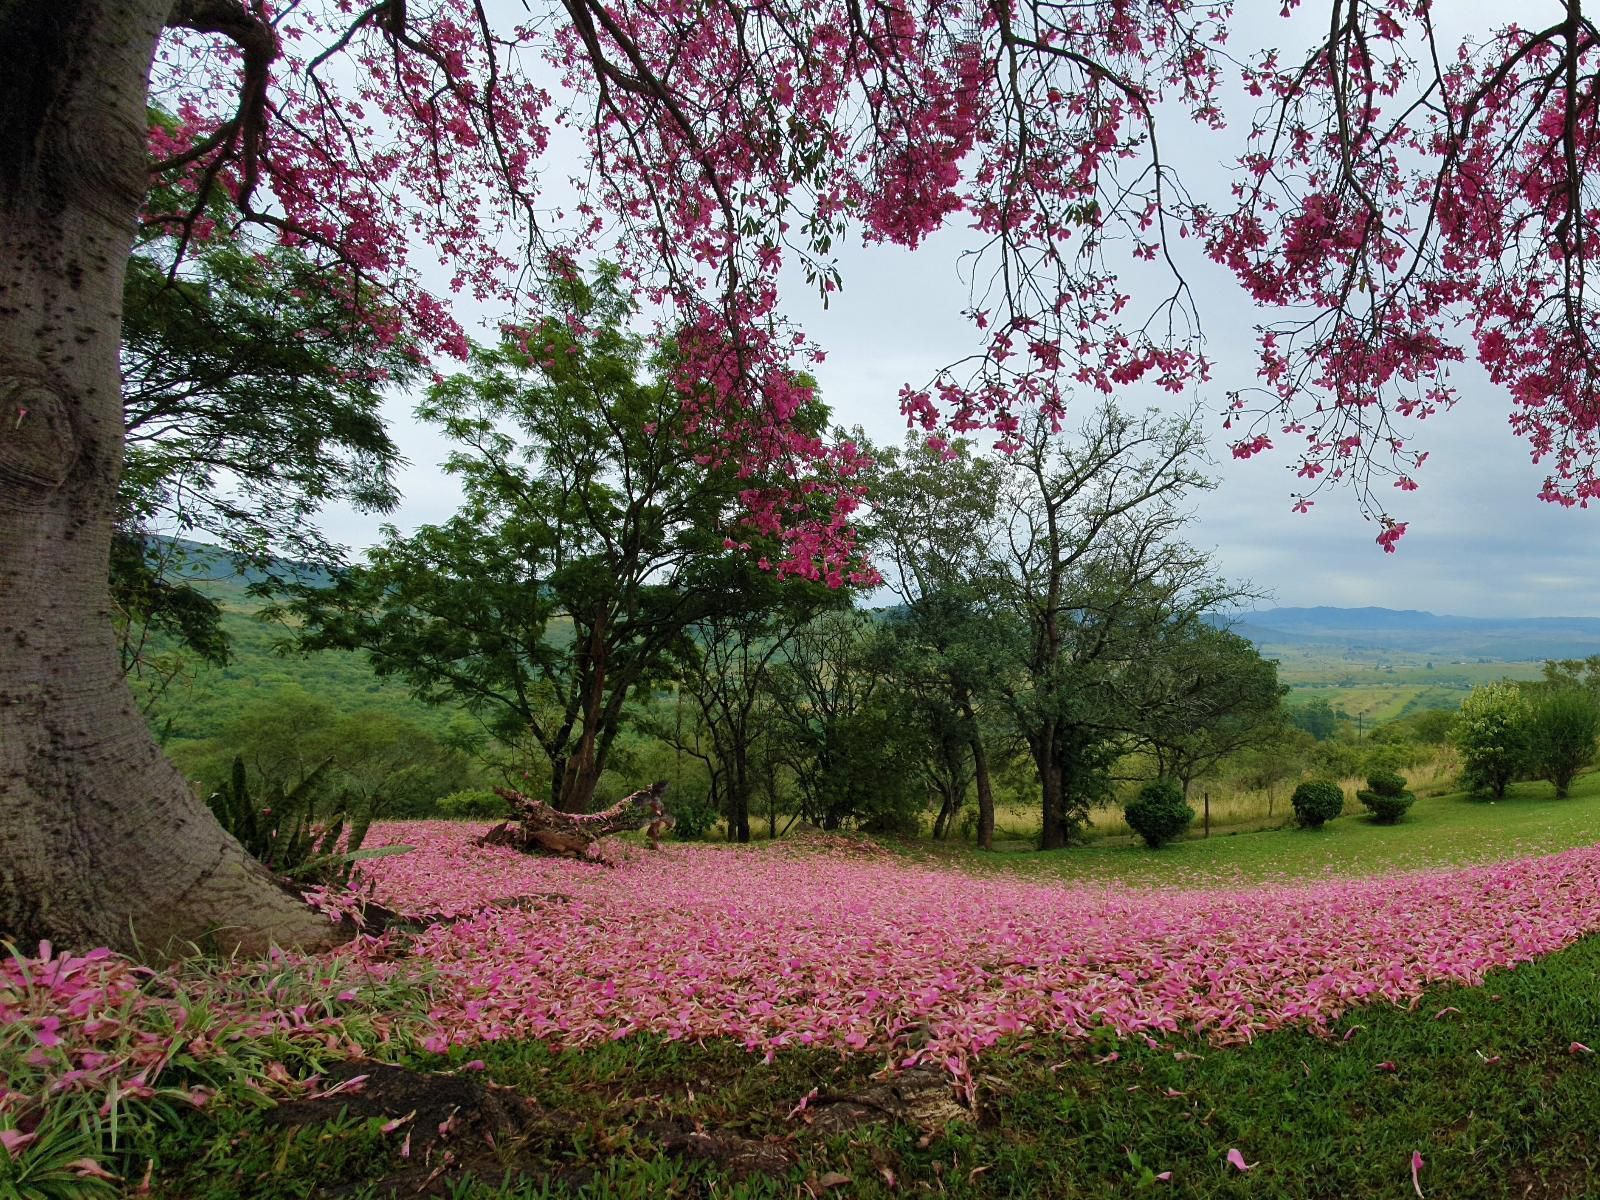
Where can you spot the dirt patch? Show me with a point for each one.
(921, 1096)
(740, 1156)
(445, 1127)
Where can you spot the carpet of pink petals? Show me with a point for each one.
(827, 946)
(872, 953)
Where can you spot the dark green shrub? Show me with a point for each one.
(693, 819)
(1316, 802)
(474, 802)
(1159, 814)
(1386, 797)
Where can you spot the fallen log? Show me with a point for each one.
(540, 827)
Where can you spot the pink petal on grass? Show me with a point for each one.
(89, 1169)
(14, 1141)
(1416, 1167)
(1164, 1177)
(1579, 1048)
(1444, 1012)
(1237, 1162)
(1388, 1066)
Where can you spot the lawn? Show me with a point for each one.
(1439, 831)
(836, 1017)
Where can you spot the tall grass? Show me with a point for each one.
(1234, 808)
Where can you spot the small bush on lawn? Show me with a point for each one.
(1316, 802)
(1158, 814)
(693, 819)
(1386, 797)
(478, 802)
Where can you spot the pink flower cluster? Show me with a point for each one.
(100, 1025)
(873, 954)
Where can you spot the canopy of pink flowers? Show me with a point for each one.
(834, 945)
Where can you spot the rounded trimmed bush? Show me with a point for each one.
(1158, 814)
(1386, 797)
(1316, 802)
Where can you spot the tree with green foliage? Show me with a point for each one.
(842, 723)
(249, 402)
(1213, 695)
(725, 668)
(1317, 717)
(1386, 797)
(598, 528)
(1493, 737)
(1316, 802)
(1091, 565)
(933, 519)
(1574, 672)
(1564, 723)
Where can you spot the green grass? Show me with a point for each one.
(1052, 1118)
(1439, 831)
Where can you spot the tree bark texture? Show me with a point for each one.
(980, 775)
(1052, 835)
(101, 840)
(543, 827)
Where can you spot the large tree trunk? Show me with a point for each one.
(1052, 835)
(101, 840)
(980, 773)
(739, 800)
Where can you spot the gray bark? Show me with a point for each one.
(101, 841)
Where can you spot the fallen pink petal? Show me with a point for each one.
(1236, 1160)
(1416, 1171)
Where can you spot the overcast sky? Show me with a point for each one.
(1479, 542)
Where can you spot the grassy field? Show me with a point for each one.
(1440, 830)
(1375, 692)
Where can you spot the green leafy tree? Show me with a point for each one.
(842, 727)
(1214, 696)
(1493, 736)
(1317, 717)
(594, 534)
(1564, 724)
(1159, 814)
(1091, 565)
(933, 517)
(1386, 797)
(725, 669)
(250, 402)
(1316, 802)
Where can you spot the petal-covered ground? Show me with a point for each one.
(868, 952)
(832, 945)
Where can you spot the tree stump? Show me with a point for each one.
(542, 828)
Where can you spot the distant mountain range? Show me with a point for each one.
(205, 563)
(1346, 632)
(1378, 630)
